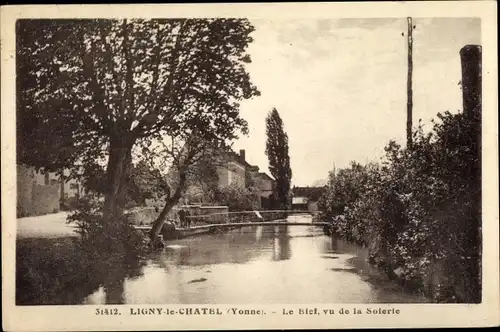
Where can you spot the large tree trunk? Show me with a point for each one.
(169, 204)
(118, 174)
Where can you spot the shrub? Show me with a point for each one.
(418, 211)
(105, 236)
(237, 198)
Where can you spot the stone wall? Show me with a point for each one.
(25, 181)
(210, 214)
(35, 199)
(45, 199)
(200, 214)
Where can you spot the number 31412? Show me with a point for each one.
(105, 312)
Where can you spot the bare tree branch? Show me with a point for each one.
(90, 72)
(129, 76)
(167, 92)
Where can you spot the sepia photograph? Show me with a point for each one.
(247, 161)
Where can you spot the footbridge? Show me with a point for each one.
(282, 222)
(213, 222)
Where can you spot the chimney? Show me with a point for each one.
(242, 156)
(471, 79)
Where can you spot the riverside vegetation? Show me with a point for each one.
(418, 211)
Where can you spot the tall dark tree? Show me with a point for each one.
(279, 160)
(101, 89)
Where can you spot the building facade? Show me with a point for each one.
(265, 186)
(42, 193)
(234, 170)
(306, 198)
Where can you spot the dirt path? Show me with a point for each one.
(46, 226)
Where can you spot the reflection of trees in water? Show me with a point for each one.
(258, 233)
(330, 245)
(114, 288)
(176, 273)
(236, 246)
(282, 248)
(59, 271)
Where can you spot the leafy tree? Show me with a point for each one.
(146, 183)
(178, 164)
(279, 160)
(238, 198)
(419, 211)
(46, 124)
(101, 89)
(203, 179)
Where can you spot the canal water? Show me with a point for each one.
(258, 264)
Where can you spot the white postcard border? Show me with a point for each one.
(76, 318)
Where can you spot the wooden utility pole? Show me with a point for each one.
(470, 56)
(409, 104)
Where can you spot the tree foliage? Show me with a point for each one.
(47, 128)
(419, 210)
(94, 91)
(279, 160)
(203, 179)
(238, 198)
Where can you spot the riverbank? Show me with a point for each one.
(360, 264)
(59, 271)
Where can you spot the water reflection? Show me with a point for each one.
(282, 249)
(114, 289)
(260, 264)
(258, 233)
(58, 271)
(236, 247)
(332, 244)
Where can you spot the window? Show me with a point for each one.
(73, 186)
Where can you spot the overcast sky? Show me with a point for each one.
(340, 86)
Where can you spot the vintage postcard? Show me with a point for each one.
(249, 166)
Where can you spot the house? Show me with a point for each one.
(70, 188)
(240, 172)
(222, 169)
(264, 184)
(306, 198)
(299, 203)
(34, 197)
(234, 170)
(41, 193)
